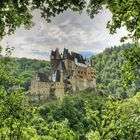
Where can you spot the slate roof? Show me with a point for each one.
(73, 55)
(79, 57)
(43, 77)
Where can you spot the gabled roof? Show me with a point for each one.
(79, 57)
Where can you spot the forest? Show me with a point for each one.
(27, 68)
(108, 72)
(111, 112)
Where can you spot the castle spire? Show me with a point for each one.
(57, 54)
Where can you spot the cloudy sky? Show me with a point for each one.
(76, 32)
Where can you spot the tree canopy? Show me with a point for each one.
(15, 13)
(90, 117)
(112, 69)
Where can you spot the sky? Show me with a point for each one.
(74, 31)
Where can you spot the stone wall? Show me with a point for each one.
(59, 90)
(40, 90)
(82, 84)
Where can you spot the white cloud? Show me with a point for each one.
(76, 32)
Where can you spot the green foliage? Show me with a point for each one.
(88, 116)
(60, 131)
(16, 13)
(14, 108)
(113, 72)
(93, 116)
(26, 69)
(85, 116)
(13, 14)
(51, 130)
(72, 109)
(116, 120)
(17, 119)
(125, 14)
(130, 70)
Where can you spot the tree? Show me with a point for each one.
(116, 119)
(125, 13)
(15, 112)
(119, 75)
(130, 69)
(15, 13)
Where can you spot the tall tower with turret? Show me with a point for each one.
(55, 62)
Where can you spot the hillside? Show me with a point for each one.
(26, 68)
(108, 65)
(88, 116)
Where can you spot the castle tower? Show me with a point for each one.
(70, 72)
(55, 61)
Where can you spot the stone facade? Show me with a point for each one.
(70, 73)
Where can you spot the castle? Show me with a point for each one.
(70, 72)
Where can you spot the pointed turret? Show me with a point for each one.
(57, 54)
